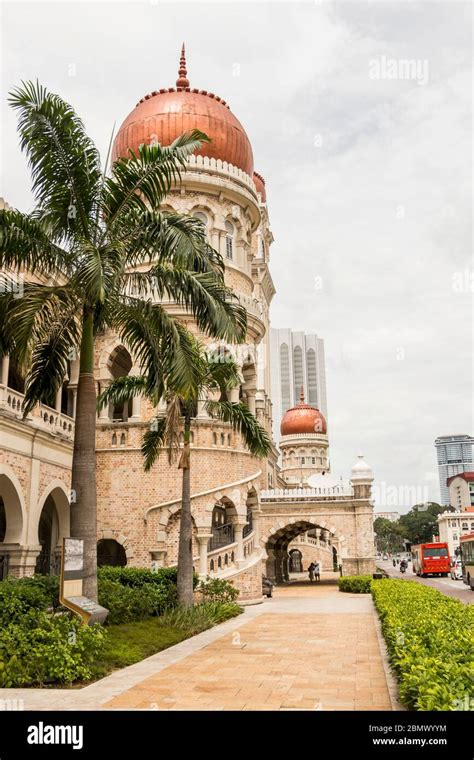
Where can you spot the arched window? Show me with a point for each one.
(119, 365)
(222, 439)
(214, 439)
(201, 216)
(229, 240)
(111, 553)
(114, 439)
(122, 439)
(228, 439)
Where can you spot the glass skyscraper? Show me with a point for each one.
(454, 456)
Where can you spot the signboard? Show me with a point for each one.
(72, 574)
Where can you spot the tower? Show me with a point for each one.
(304, 443)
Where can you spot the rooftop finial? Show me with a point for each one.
(182, 80)
(302, 395)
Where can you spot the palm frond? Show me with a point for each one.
(142, 181)
(162, 346)
(243, 421)
(152, 442)
(49, 364)
(26, 244)
(65, 164)
(29, 320)
(122, 389)
(222, 373)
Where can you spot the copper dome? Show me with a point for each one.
(303, 418)
(260, 185)
(167, 113)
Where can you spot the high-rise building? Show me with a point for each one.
(454, 454)
(297, 361)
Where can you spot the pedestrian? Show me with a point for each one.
(317, 570)
(311, 572)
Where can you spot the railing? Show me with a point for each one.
(41, 416)
(221, 536)
(225, 558)
(277, 494)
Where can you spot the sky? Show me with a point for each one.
(359, 115)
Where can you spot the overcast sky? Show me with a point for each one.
(368, 169)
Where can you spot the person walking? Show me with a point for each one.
(317, 570)
(311, 572)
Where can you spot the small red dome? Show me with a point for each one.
(303, 418)
(259, 183)
(167, 113)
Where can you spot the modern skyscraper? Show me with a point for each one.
(297, 360)
(454, 456)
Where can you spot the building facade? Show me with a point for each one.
(453, 525)
(454, 455)
(245, 513)
(297, 361)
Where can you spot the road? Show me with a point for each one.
(456, 589)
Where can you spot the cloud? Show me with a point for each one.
(369, 181)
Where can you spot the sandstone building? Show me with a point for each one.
(250, 516)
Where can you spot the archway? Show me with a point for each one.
(11, 509)
(278, 558)
(48, 536)
(111, 553)
(119, 365)
(296, 561)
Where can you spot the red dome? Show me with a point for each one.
(167, 113)
(301, 419)
(260, 185)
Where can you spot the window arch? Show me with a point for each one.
(202, 217)
(222, 439)
(214, 439)
(229, 240)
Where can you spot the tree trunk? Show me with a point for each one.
(84, 502)
(185, 549)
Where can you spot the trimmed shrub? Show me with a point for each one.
(139, 576)
(217, 590)
(128, 603)
(430, 639)
(355, 584)
(42, 648)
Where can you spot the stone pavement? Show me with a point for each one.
(308, 648)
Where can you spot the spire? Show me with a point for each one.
(182, 80)
(302, 395)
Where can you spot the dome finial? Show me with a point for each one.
(302, 395)
(182, 80)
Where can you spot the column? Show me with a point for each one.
(74, 401)
(256, 514)
(203, 540)
(234, 395)
(5, 367)
(201, 412)
(136, 408)
(251, 400)
(104, 412)
(57, 403)
(239, 538)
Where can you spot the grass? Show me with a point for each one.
(128, 643)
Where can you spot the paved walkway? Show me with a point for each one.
(308, 648)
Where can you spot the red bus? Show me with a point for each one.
(430, 559)
(467, 559)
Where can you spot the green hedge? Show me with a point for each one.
(430, 639)
(38, 648)
(355, 584)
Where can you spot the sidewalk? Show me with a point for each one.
(308, 648)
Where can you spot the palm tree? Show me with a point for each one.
(215, 378)
(104, 257)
